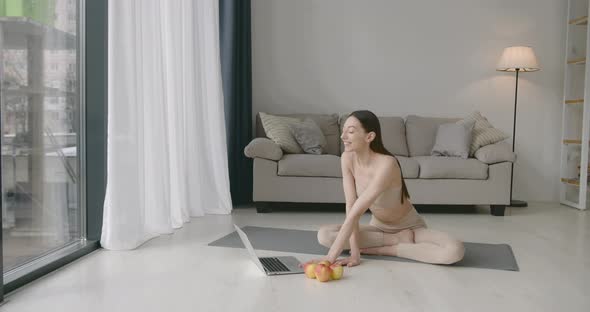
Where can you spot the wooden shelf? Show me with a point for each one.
(569, 141)
(576, 101)
(577, 61)
(582, 20)
(571, 181)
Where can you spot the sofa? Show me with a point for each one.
(481, 179)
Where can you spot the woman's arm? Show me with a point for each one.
(350, 195)
(380, 183)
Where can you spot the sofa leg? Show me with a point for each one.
(497, 210)
(263, 207)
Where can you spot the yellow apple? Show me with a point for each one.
(323, 272)
(337, 271)
(309, 269)
(325, 262)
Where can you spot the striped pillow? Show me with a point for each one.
(483, 132)
(277, 129)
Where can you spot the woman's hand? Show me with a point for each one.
(301, 265)
(350, 261)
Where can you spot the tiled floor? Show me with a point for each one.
(180, 272)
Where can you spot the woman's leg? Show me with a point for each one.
(430, 246)
(369, 236)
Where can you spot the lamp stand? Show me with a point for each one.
(513, 202)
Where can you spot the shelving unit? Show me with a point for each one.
(575, 109)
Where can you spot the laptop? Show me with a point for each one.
(271, 265)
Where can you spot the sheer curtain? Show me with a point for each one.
(167, 156)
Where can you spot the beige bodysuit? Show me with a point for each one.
(390, 215)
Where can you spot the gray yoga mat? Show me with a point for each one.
(477, 255)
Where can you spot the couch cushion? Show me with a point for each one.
(341, 121)
(277, 129)
(327, 122)
(309, 136)
(440, 167)
(410, 167)
(453, 140)
(421, 133)
(483, 132)
(329, 125)
(393, 131)
(308, 165)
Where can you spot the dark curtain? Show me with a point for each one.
(236, 70)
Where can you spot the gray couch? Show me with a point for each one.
(435, 180)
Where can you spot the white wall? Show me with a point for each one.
(431, 58)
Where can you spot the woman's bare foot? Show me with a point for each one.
(391, 240)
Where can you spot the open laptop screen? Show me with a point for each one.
(249, 247)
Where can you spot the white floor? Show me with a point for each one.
(181, 273)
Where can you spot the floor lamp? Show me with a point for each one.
(517, 59)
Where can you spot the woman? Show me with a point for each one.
(372, 179)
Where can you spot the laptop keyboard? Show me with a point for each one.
(274, 265)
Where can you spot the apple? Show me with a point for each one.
(309, 269)
(337, 271)
(323, 272)
(325, 262)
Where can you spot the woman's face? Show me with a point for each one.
(354, 136)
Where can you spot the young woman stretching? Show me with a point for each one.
(372, 179)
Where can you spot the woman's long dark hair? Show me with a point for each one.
(370, 122)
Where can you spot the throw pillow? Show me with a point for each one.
(277, 129)
(309, 136)
(495, 153)
(453, 140)
(483, 132)
(263, 148)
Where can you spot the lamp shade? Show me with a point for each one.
(521, 58)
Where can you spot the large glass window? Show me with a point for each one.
(40, 114)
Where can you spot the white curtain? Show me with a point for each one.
(167, 155)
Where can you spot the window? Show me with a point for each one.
(41, 190)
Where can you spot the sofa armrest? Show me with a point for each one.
(263, 148)
(495, 153)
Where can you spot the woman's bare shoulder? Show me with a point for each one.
(386, 161)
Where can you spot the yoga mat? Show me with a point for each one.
(477, 255)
